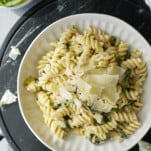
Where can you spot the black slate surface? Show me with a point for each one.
(48, 11)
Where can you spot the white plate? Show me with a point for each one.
(28, 106)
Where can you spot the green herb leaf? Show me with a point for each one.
(113, 40)
(121, 123)
(118, 60)
(91, 138)
(67, 45)
(128, 55)
(123, 135)
(114, 110)
(96, 123)
(106, 117)
(36, 81)
(124, 82)
(66, 117)
(66, 124)
(56, 106)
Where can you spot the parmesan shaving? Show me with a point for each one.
(65, 94)
(8, 97)
(14, 52)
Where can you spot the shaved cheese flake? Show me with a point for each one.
(110, 95)
(116, 70)
(100, 105)
(8, 97)
(65, 94)
(14, 52)
(92, 99)
(102, 86)
(81, 70)
(83, 86)
(77, 103)
(104, 80)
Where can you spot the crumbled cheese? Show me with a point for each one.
(8, 97)
(14, 52)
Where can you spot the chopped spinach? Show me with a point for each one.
(123, 135)
(106, 117)
(66, 117)
(79, 54)
(114, 110)
(67, 46)
(66, 124)
(128, 55)
(113, 40)
(118, 60)
(36, 81)
(56, 106)
(96, 123)
(121, 123)
(124, 82)
(91, 137)
(95, 140)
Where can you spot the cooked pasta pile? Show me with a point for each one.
(90, 84)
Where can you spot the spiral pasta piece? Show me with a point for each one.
(61, 112)
(45, 61)
(132, 63)
(67, 35)
(132, 127)
(57, 130)
(90, 42)
(43, 98)
(122, 49)
(131, 94)
(124, 116)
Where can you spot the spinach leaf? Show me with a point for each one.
(124, 82)
(113, 40)
(106, 117)
(66, 124)
(123, 135)
(128, 55)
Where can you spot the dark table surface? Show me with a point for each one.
(135, 12)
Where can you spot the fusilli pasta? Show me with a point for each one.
(90, 84)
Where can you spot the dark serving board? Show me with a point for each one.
(28, 27)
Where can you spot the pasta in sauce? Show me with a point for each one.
(90, 84)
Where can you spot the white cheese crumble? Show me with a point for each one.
(14, 52)
(8, 97)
